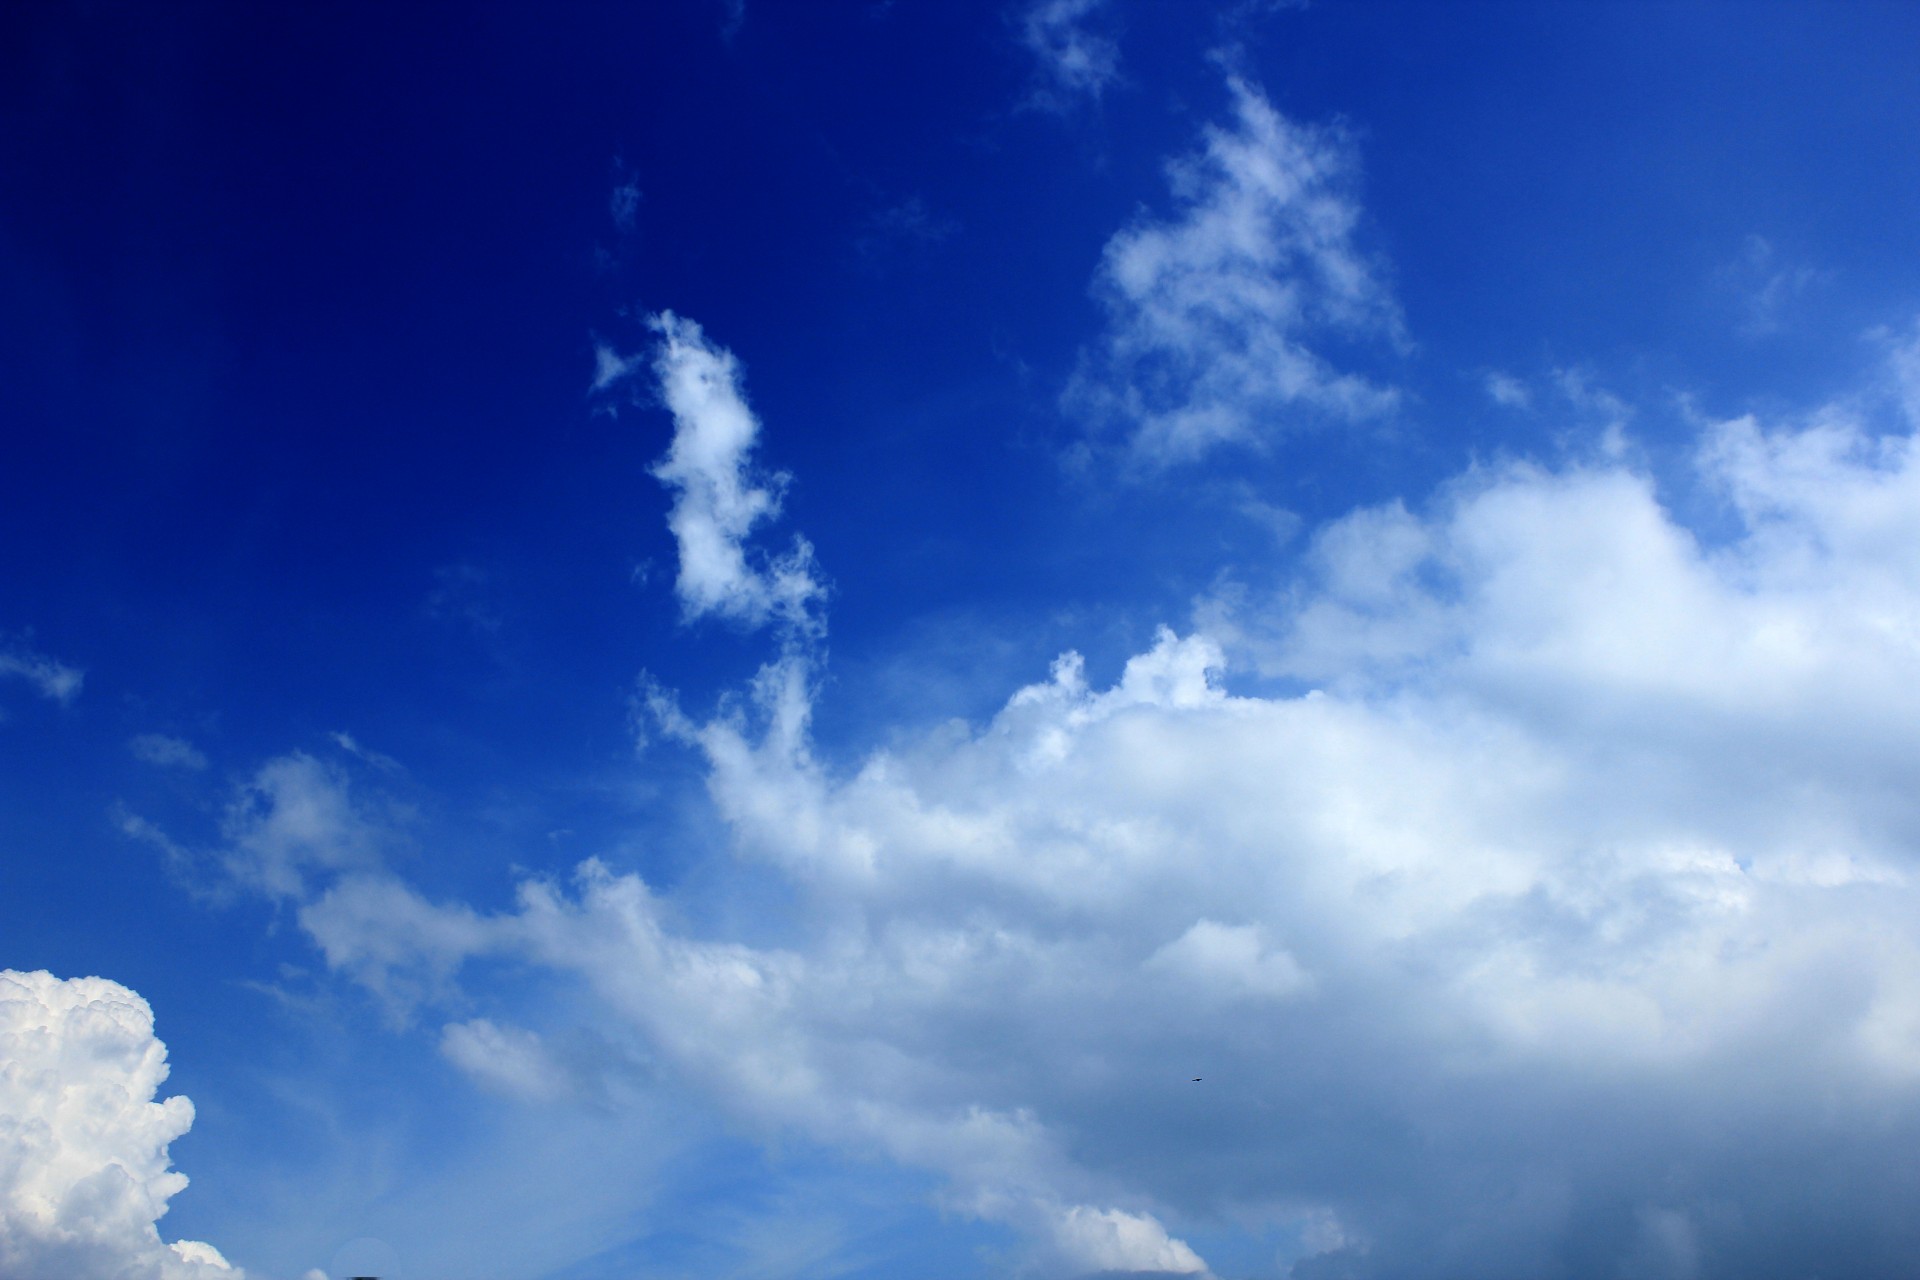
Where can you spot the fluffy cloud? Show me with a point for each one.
(1210, 313)
(719, 495)
(50, 678)
(1556, 919)
(1075, 63)
(294, 818)
(84, 1170)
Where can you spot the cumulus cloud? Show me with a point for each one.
(49, 677)
(1212, 312)
(1557, 919)
(1075, 62)
(719, 494)
(508, 1060)
(84, 1169)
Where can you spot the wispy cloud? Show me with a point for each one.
(623, 206)
(1074, 62)
(352, 746)
(1212, 312)
(1508, 391)
(49, 677)
(85, 1145)
(464, 592)
(296, 818)
(166, 751)
(904, 224)
(1765, 287)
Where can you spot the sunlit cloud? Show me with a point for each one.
(1574, 819)
(84, 1168)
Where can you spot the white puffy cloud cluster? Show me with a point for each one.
(1544, 907)
(1560, 922)
(84, 1170)
(1212, 313)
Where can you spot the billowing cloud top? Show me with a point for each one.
(84, 1172)
(1514, 945)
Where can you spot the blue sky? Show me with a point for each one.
(708, 639)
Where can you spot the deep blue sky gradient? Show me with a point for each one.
(298, 308)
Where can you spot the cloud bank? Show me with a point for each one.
(1554, 917)
(1212, 312)
(84, 1170)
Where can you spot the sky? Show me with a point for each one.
(744, 640)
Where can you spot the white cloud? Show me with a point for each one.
(719, 495)
(166, 751)
(508, 1060)
(610, 367)
(294, 818)
(352, 746)
(1508, 391)
(1211, 312)
(1075, 63)
(1518, 941)
(50, 678)
(84, 1167)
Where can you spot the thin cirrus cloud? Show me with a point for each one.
(84, 1168)
(1514, 945)
(166, 751)
(1765, 288)
(1213, 311)
(50, 678)
(1073, 62)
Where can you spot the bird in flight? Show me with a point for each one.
(1196, 1079)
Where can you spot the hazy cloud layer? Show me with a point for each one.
(84, 1169)
(1213, 312)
